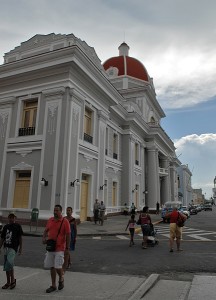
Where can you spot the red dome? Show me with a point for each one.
(127, 65)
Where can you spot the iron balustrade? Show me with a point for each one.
(26, 131)
(88, 138)
(115, 155)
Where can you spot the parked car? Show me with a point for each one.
(168, 207)
(207, 206)
(199, 208)
(193, 210)
(185, 211)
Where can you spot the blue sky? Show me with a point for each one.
(175, 40)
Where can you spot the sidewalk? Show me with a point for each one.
(114, 225)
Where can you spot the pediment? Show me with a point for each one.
(22, 166)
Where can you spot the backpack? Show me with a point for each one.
(144, 219)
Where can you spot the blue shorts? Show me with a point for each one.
(9, 257)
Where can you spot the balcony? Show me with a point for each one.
(115, 155)
(26, 131)
(88, 138)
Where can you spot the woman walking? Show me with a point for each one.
(145, 221)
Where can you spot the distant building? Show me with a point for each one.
(198, 197)
(72, 130)
(185, 191)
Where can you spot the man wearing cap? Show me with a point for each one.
(11, 239)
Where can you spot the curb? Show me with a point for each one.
(145, 287)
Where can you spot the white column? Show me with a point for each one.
(153, 178)
(172, 182)
(165, 184)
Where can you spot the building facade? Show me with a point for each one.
(185, 190)
(73, 130)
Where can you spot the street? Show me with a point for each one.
(112, 254)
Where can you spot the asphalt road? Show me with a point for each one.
(112, 255)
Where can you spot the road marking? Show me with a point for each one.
(122, 237)
(198, 237)
(26, 277)
(96, 237)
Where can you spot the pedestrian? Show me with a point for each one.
(96, 211)
(58, 230)
(73, 229)
(157, 208)
(145, 221)
(11, 240)
(175, 230)
(102, 213)
(125, 211)
(133, 209)
(131, 224)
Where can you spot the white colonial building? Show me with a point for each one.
(185, 190)
(68, 119)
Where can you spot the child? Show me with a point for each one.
(131, 224)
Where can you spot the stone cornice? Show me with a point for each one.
(54, 92)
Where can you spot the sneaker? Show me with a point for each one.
(171, 250)
(51, 289)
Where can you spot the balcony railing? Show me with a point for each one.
(26, 131)
(88, 138)
(115, 155)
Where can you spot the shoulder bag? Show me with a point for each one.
(51, 244)
(180, 222)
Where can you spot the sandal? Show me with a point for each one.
(13, 284)
(6, 286)
(61, 285)
(51, 289)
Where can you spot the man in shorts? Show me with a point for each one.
(175, 230)
(58, 229)
(11, 238)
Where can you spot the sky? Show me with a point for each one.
(174, 39)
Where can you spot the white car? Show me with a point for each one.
(185, 211)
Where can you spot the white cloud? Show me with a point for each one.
(198, 151)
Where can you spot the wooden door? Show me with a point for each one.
(21, 191)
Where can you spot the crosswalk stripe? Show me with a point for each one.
(198, 237)
(122, 237)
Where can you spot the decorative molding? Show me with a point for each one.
(52, 111)
(3, 124)
(88, 158)
(54, 92)
(23, 153)
(22, 166)
(7, 100)
(75, 112)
